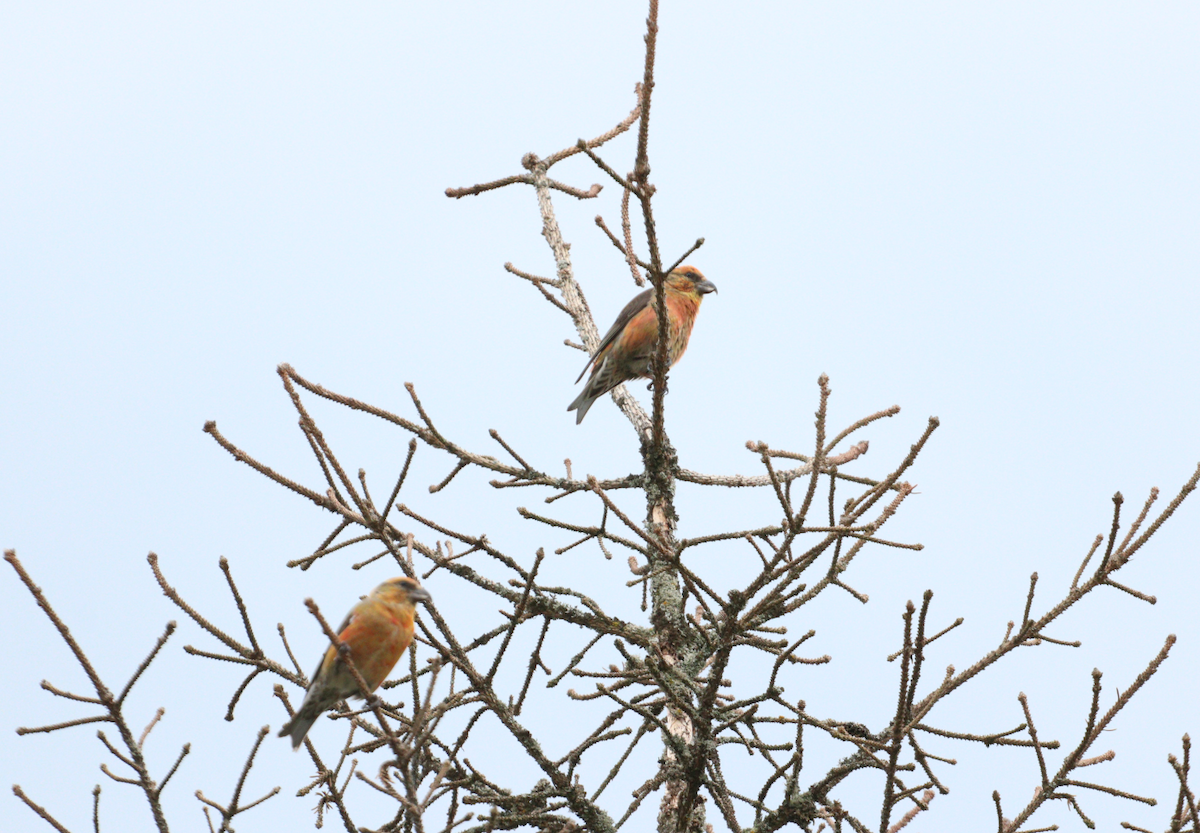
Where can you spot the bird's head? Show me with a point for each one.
(401, 590)
(689, 281)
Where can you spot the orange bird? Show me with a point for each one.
(627, 349)
(378, 630)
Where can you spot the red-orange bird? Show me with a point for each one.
(378, 630)
(627, 349)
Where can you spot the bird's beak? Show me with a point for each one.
(419, 594)
(705, 287)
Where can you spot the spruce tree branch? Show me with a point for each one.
(113, 705)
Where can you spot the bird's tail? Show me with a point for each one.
(583, 402)
(298, 727)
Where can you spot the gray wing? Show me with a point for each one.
(639, 303)
(321, 661)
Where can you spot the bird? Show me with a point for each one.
(627, 349)
(378, 631)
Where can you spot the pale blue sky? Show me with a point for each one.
(984, 213)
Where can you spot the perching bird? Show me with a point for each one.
(627, 349)
(378, 630)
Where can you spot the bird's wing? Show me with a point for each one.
(639, 303)
(341, 629)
